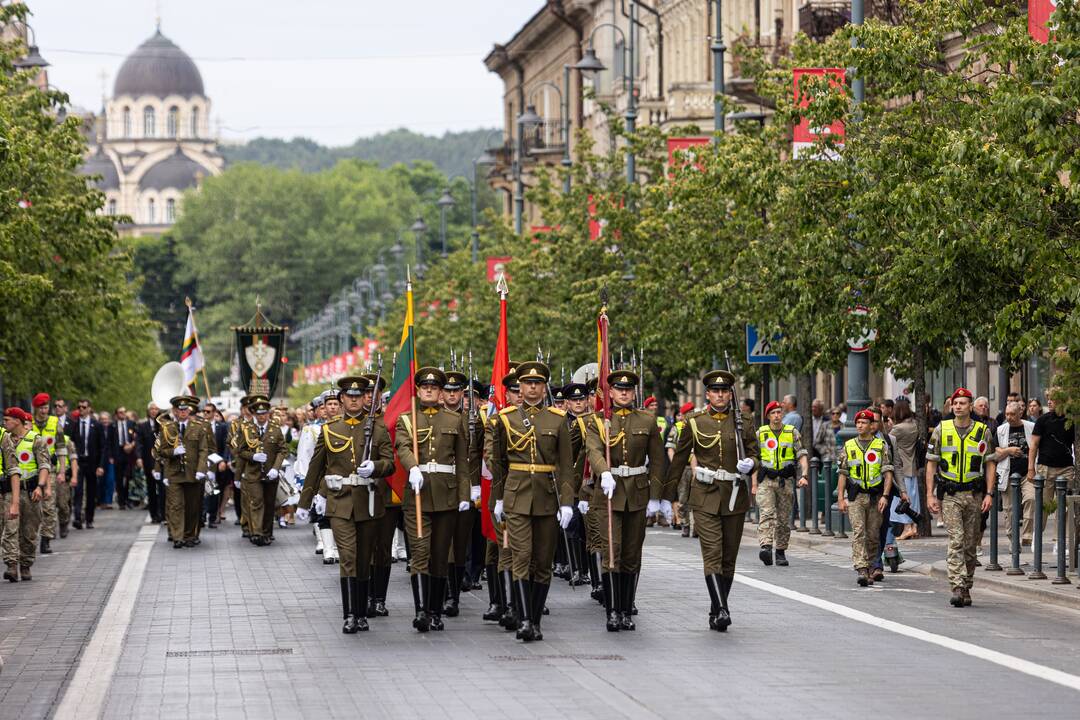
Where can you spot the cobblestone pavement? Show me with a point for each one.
(228, 630)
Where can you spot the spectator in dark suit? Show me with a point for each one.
(89, 441)
(145, 434)
(220, 456)
(123, 454)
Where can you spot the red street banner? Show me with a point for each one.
(803, 136)
(1039, 12)
(337, 366)
(496, 266)
(685, 145)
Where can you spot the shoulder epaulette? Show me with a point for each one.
(508, 409)
(557, 411)
(696, 413)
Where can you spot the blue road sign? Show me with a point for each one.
(759, 349)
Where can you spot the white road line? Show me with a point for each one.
(85, 694)
(1007, 661)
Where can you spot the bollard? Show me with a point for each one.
(1014, 490)
(1037, 542)
(1061, 484)
(815, 464)
(802, 506)
(826, 470)
(843, 521)
(993, 565)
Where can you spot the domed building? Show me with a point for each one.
(154, 140)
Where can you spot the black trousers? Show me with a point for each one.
(154, 496)
(89, 481)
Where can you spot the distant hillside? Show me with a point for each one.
(452, 153)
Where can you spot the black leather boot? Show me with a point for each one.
(611, 594)
(765, 554)
(420, 586)
(595, 575)
(536, 607)
(457, 575)
(522, 588)
(45, 549)
(634, 577)
(781, 558)
(712, 582)
(378, 600)
(627, 590)
(348, 603)
(436, 593)
(509, 620)
(496, 606)
(360, 595)
(724, 618)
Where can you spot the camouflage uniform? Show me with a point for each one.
(775, 498)
(863, 513)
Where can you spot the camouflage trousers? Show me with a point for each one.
(774, 504)
(48, 514)
(865, 521)
(961, 514)
(19, 539)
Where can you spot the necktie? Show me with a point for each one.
(86, 436)
(123, 432)
(183, 428)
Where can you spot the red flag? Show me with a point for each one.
(499, 369)
(603, 362)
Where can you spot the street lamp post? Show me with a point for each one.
(445, 203)
(631, 100)
(485, 160)
(590, 64)
(419, 229)
(718, 49)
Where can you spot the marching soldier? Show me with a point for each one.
(960, 453)
(497, 556)
(440, 476)
(31, 473)
(263, 450)
(773, 489)
(533, 484)
(630, 486)
(351, 454)
(235, 438)
(577, 414)
(48, 427)
(305, 448)
(391, 520)
(863, 483)
(10, 493)
(181, 452)
(719, 496)
(453, 398)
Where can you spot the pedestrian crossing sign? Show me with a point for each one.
(759, 348)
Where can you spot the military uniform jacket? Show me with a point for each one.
(635, 442)
(271, 442)
(579, 427)
(339, 450)
(196, 441)
(544, 445)
(235, 437)
(710, 436)
(441, 439)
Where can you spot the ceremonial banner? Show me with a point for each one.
(804, 136)
(260, 346)
(1039, 12)
(402, 389)
(191, 357)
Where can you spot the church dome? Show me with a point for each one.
(177, 171)
(100, 164)
(158, 68)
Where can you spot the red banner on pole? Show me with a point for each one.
(803, 136)
(1039, 12)
(685, 145)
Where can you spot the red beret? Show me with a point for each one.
(18, 413)
(650, 401)
(772, 406)
(962, 392)
(865, 415)
(74, 414)
(687, 407)
(41, 399)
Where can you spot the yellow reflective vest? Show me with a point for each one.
(24, 454)
(865, 467)
(777, 450)
(52, 427)
(961, 459)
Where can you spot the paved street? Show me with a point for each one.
(231, 630)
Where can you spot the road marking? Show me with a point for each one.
(85, 694)
(1006, 661)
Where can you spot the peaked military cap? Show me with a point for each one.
(376, 381)
(455, 380)
(317, 401)
(185, 401)
(590, 385)
(575, 391)
(430, 376)
(623, 379)
(533, 370)
(558, 393)
(718, 380)
(353, 385)
(260, 405)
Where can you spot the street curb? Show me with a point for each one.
(1034, 591)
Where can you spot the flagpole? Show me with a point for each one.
(195, 332)
(412, 403)
(601, 383)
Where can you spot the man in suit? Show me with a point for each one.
(90, 447)
(124, 454)
(145, 434)
(219, 457)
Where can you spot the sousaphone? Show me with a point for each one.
(168, 383)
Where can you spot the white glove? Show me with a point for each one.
(211, 475)
(474, 493)
(319, 503)
(652, 508)
(365, 469)
(583, 507)
(666, 510)
(302, 515)
(272, 474)
(416, 479)
(179, 450)
(498, 511)
(566, 514)
(165, 482)
(157, 475)
(215, 458)
(464, 506)
(745, 465)
(607, 484)
(200, 476)
(259, 457)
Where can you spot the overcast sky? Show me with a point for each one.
(331, 70)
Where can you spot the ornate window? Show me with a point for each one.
(170, 210)
(148, 122)
(172, 122)
(110, 209)
(127, 122)
(151, 212)
(194, 122)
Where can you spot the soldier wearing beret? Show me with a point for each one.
(29, 471)
(181, 452)
(627, 454)
(720, 493)
(58, 501)
(263, 450)
(533, 483)
(453, 398)
(774, 485)
(439, 474)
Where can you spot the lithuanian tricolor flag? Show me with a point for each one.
(402, 388)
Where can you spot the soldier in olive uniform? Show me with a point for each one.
(263, 450)
(533, 483)
(575, 405)
(498, 556)
(720, 493)
(235, 438)
(440, 476)
(629, 486)
(181, 452)
(351, 456)
(20, 538)
(382, 557)
(453, 398)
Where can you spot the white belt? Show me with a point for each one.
(434, 467)
(708, 476)
(627, 471)
(336, 482)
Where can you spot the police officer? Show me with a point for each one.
(719, 494)
(181, 451)
(439, 474)
(533, 484)
(48, 427)
(20, 539)
(960, 455)
(774, 482)
(351, 456)
(864, 481)
(262, 447)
